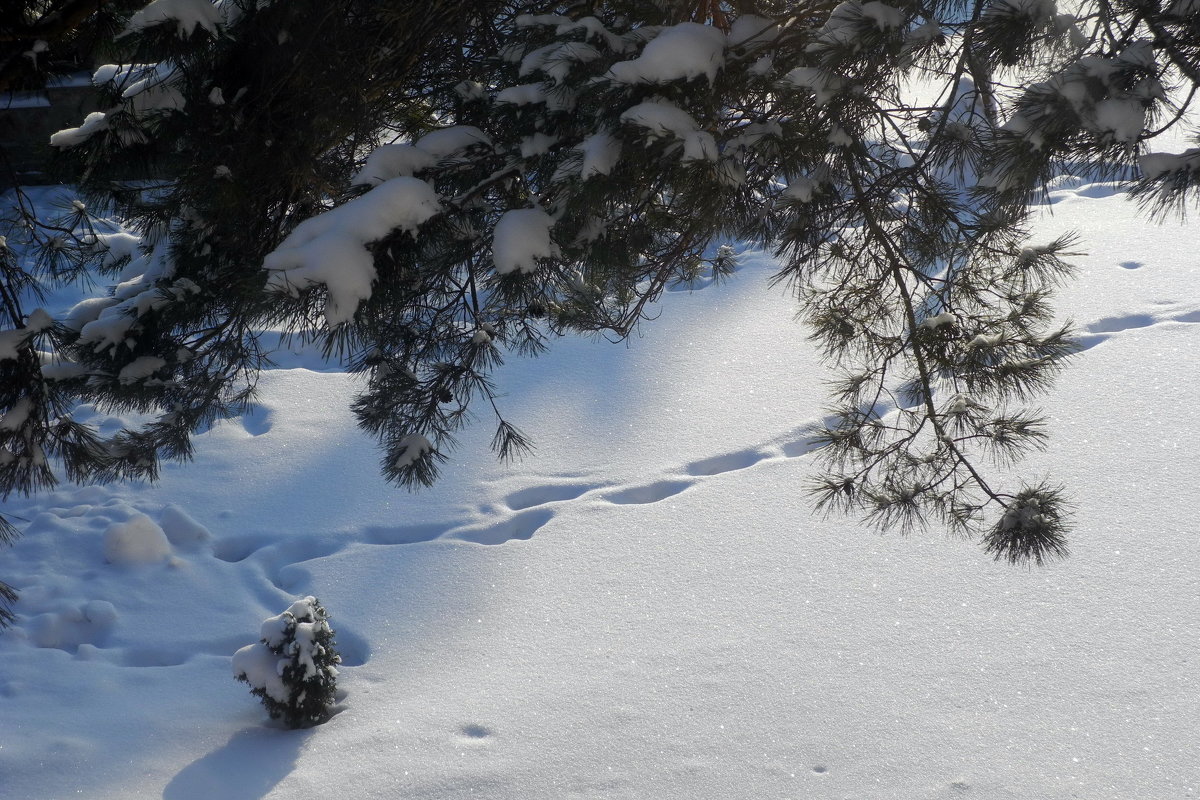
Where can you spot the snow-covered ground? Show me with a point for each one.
(647, 608)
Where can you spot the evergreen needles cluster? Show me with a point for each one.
(425, 188)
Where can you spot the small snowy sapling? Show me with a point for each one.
(293, 670)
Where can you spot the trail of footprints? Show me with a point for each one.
(1102, 330)
(281, 565)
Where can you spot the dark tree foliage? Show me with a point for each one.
(887, 152)
(297, 649)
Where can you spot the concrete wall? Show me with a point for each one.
(28, 118)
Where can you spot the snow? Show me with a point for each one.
(140, 368)
(137, 541)
(412, 447)
(181, 530)
(69, 137)
(520, 238)
(260, 667)
(601, 153)
(186, 14)
(330, 248)
(446, 142)
(523, 95)
(394, 161)
(885, 17)
(662, 119)
(680, 52)
(14, 419)
(11, 100)
(1155, 165)
(822, 83)
(10, 343)
(1124, 118)
(751, 32)
(646, 607)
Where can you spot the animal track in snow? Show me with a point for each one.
(652, 493)
(406, 534)
(1124, 323)
(799, 447)
(238, 548)
(540, 495)
(257, 419)
(475, 732)
(519, 526)
(1101, 330)
(727, 462)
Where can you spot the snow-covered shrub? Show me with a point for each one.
(293, 670)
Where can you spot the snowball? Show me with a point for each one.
(261, 668)
(138, 541)
(661, 119)
(100, 612)
(330, 248)
(186, 14)
(69, 137)
(521, 237)
(683, 51)
(180, 529)
(393, 161)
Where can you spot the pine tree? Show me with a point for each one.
(293, 669)
(425, 188)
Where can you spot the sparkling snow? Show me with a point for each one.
(646, 607)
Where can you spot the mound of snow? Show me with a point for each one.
(138, 541)
(180, 529)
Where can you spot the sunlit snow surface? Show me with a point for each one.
(647, 608)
